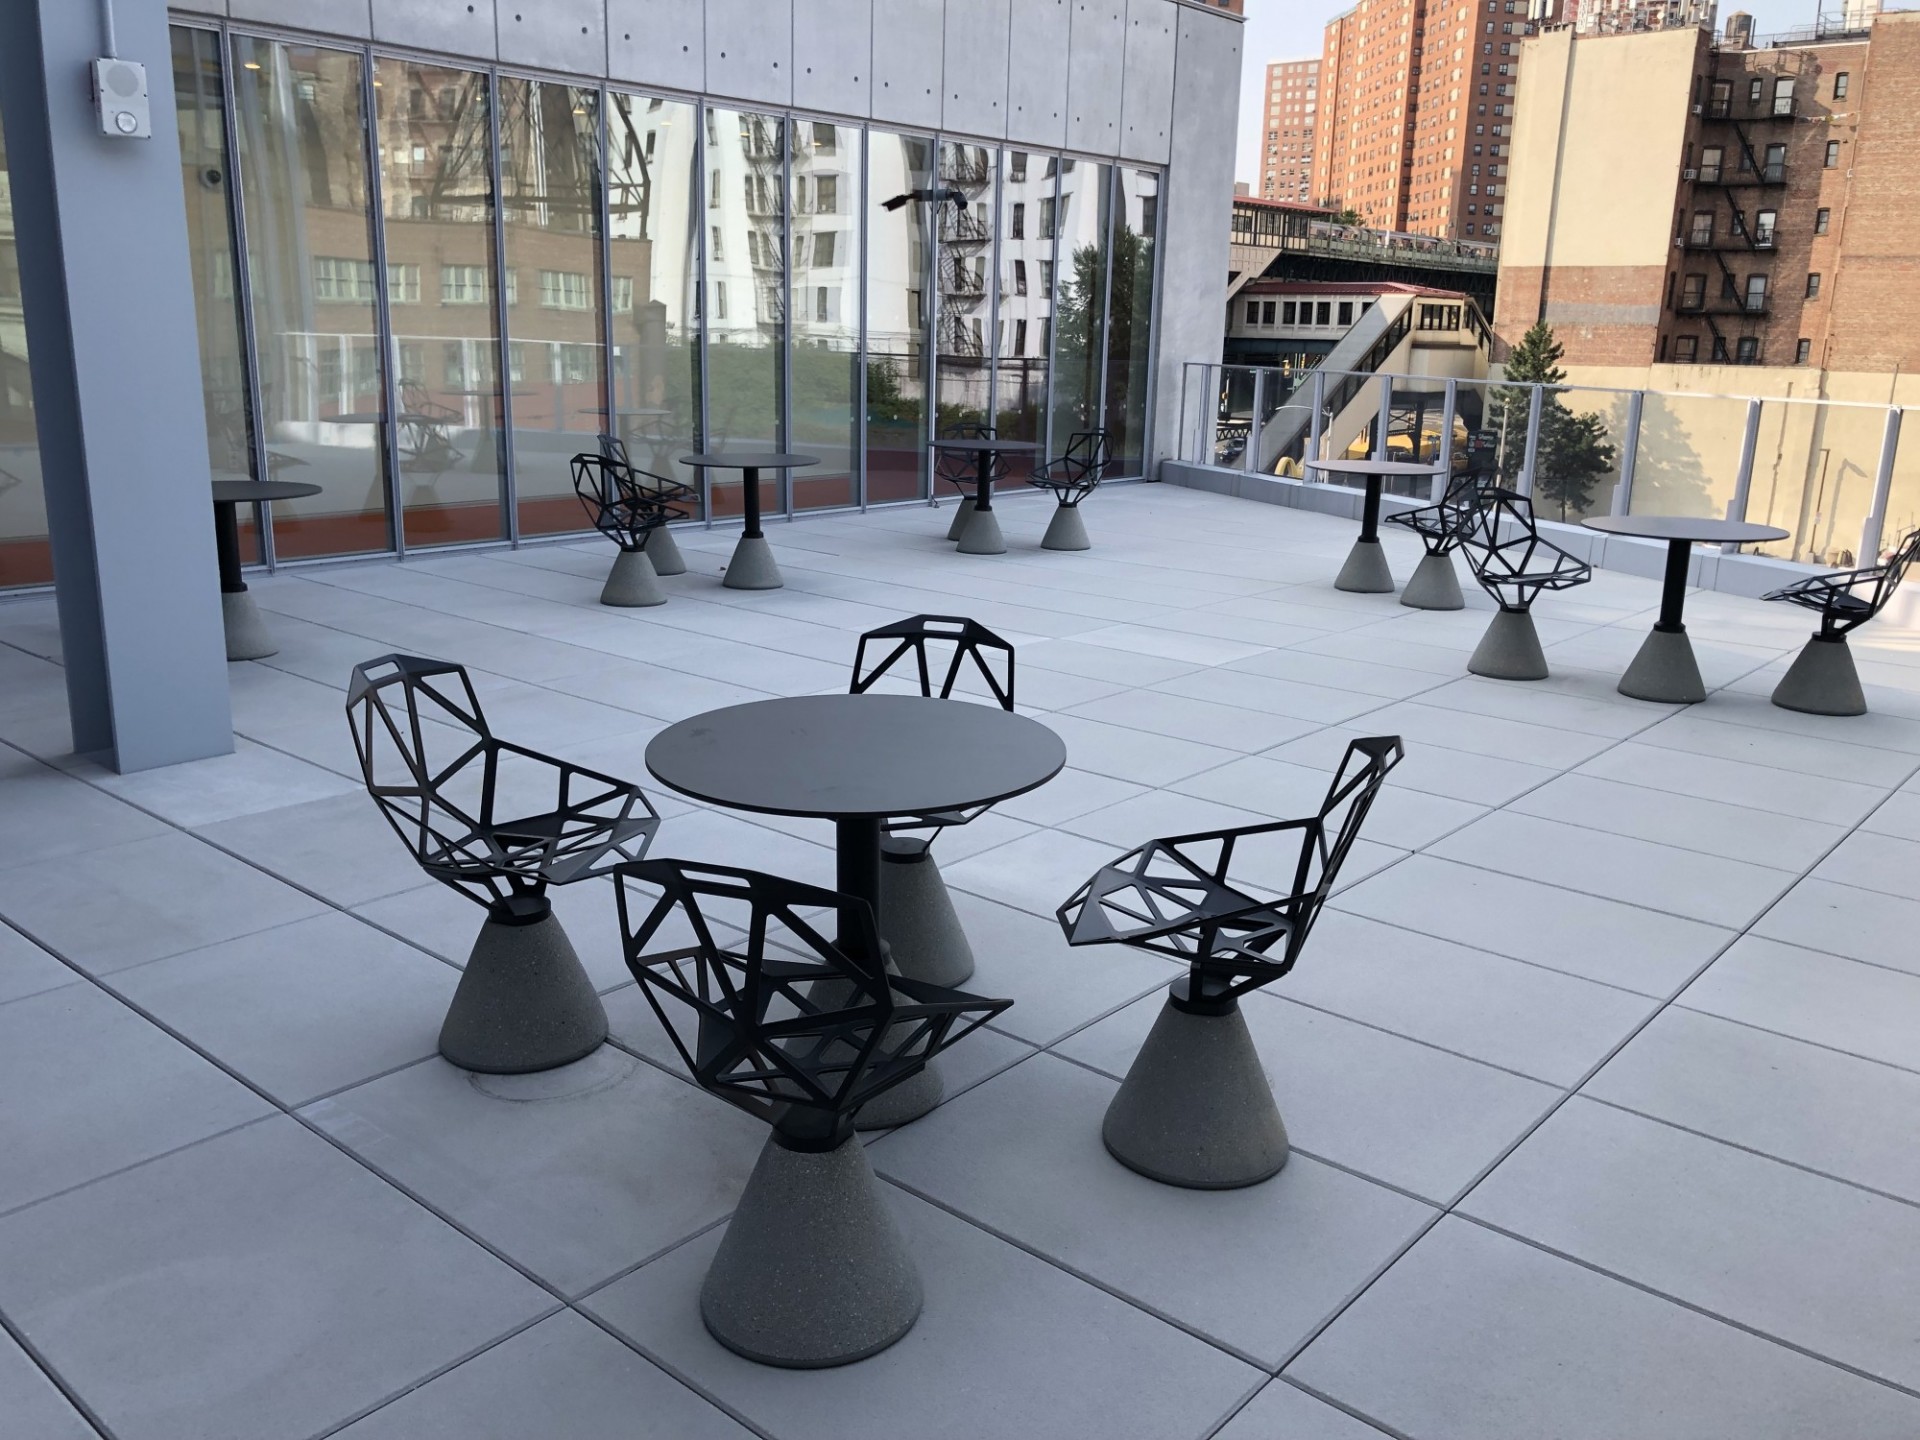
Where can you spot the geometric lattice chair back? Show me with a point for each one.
(960, 468)
(1075, 475)
(936, 654)
(1847, 600)
(1236, 904)
(782, 1021)
(1442, 527)
(492, 819)
(1507, 556)
(626, 505)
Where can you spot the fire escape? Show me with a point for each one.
(966, 239)
(762, 142)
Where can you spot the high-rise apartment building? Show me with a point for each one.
(1288, 118)
(1416, 112)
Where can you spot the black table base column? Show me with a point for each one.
(752, 566)
(1673, 591)
(1366, 571)
(982, 533)
(750, 500)
(226, 539)
(1370, 511)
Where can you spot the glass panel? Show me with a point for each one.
(654, 228)
(827, 206)
(1130, 330)
(201, 112)
(1080, 299)
(1689, 454)
(746, 290)
(1813, 475)
(899, 249)
(1025, 331)
(436, 188)
(556, 348)
(25, 556)
(1582, 437)
(302, 167)
(966, 259)
(1903, 496)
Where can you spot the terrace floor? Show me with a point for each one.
(1603, 1067)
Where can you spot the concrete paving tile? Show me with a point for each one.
(1580, 701)
(259, 1283)
(1403, 817)
(1286, 1412)
(1139, 756)
(1733, 831)
(1254, 1269)
(1846, 920)
(577, 1173)
(1433, 769)
(111, 908)
(1159, 813)
(92, 1087)
(1861, 1009)
(1179, 717)
(26, 969)
(1397, 1111)
(1250, 691)
(340, 848)
(1103, 662)
(1796, 1256)
(1474, 1336)
(1831, 759)
(1420, 723)
(993, 1313)
(1874, 862)
(302, 1009)
(1390, 682)
(1900, 816)
(1797, 1102)
(1036, 873)
(34, 1407)
(1170, 643)
(1072, 792)
(46, 813)
(251, 779)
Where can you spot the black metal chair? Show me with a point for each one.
(1822, 679)
(422, 427)
(961, 469)
(916, 912)
(1514, 565)
(1441, 527)
(499, 823)
(631, 508)
(1237, 906)
(1072, 477)
(800, 1031)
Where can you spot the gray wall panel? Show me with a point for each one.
(332, 17)
(1036, 78)
(907, 61)
(1196, 206)
(833, 56)
(452, 27)
(565, 35)
(1146, 100)
(1096, 66)
(657, 42)
(975, 98)
(750, 50)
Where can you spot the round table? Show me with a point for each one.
(857, 760)
(1366, 569)
(1665, 669)
(247, 634)
(981, 534)
(752, 566)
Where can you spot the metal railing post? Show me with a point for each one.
(1629, 455)
(1743, 477)
(1316, 428)
(1212, 381)
(1448, 409)
(1384, 420)
(1253, 422)
(1531, 456)
(1870, 531)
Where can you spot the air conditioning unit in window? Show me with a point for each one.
(1689, 174)
(1699, 109)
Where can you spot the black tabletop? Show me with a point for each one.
(855, 756)
(747, 460)
(249, 492)
(974, 447)
(1703, 528)
(1377, 467)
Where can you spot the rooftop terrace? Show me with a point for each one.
(1601, 1069)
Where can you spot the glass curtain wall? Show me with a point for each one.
(1029, 196)
(1082, 222)
(963, 344)
(824, 304)
(552, 276)
(25, 556)
(300, 118)
(1136, 230)
(437, 203)
(654, 261)
(745, 192)
(899, 262)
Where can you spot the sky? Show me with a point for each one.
(1291, 30)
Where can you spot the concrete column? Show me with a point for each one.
(108, 291)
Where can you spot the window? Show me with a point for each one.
(1711, 158)
(1783, 95)
(826, 194)
(1821, 219)
(719, 299)
(1746, 350)
(1019, 277)
(1756, 297)
(1701, 231)
(566, 290)
(1720, 356)
(1813, 285)
(1323, 312)
(1290, 313)
(1046, 217)
(622, 293)
(1686, 349)
(463, 284)
(719, 251)
(1754, 86)
(1722, 99)
(1266, 313)
(824, 137)
(1346, 312)
(1764, 222)
(1776, 163)
(1019, 224)
(341, 279)
(1833, 154)
(821, 312)
(1693, 292)
(1253, 312)
(1840, 80)
(713, 197)
(1017, 165)
(403, 283)
(826, 247)
(1802, 351)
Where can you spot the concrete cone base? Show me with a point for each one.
(1366, 571)
(1510, 650)
(664, 551)
(961, 515)
(1195, 1109)
(813, 1270)
(908, 1100)
(1435, 585)
(524, 1003)
(752, 566)
(1664, 670)
(247, 635)
(1822, 681)
(632, 581)
(917, 917)
(982, 535)
(1066, 531)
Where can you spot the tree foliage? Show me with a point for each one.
(1574, 452)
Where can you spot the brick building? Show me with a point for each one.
(1290, 113)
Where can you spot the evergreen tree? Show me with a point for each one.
(1574, 452)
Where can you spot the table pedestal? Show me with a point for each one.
(1366, 571)
(1665, 669)
(982, 533)
(247, 635)
(752, 566)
